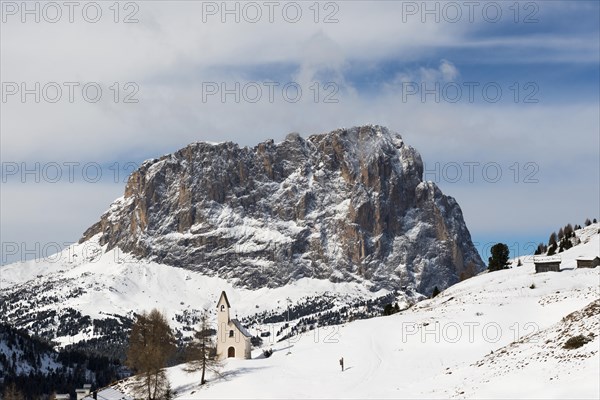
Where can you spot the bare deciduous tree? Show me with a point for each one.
(12, 393)
(151, 345)
(202, 353)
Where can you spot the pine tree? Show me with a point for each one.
(151, 345)
(552, 239)
(435, 292)
(201, 353)
(519, 263)
(541, 249)
(388, 309)
(569, 230)
(561, 233)
(552, 249)
(587, 222)
(565, 244)
(499, 258)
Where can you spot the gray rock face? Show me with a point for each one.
(349, 205)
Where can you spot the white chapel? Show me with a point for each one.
(233, 340)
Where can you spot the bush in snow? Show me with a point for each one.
(267, 353)
(575, 342)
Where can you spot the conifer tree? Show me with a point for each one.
(552, 239)
(388, 309)
(499, 258)
(541, 249)
(568, 230)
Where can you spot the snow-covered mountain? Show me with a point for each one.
(326, 230)
(505, 334)
(347, 206)
(327, 222)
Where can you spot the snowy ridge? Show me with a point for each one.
(87, 293)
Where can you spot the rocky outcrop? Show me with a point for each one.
(349, 205)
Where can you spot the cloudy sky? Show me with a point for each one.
(501, 99)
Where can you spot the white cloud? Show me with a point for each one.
(171, 52)
(448, 70)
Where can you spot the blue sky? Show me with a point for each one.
(371, 55)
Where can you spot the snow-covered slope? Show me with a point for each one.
(87, 294)
(38, 369)
(22, 355)
(497, 335)
(548, 362)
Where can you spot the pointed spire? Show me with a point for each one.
(224, 295)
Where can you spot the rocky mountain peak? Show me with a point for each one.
(348, 205)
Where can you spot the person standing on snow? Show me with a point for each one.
(342, 363)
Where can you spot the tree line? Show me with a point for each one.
(561, 240)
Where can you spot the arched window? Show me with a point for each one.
(231, 333)
(222, 307)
